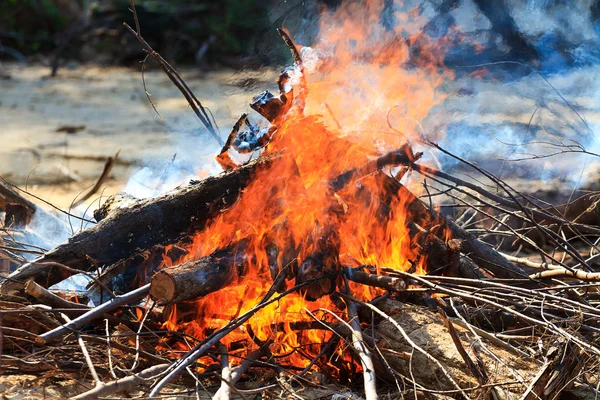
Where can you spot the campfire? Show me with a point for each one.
(317, 259)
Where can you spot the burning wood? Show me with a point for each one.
(195, 278)
(312, 262)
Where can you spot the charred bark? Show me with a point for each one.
(479, 252)
(140, 226)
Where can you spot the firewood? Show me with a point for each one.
(17, 215)
(94, 313)
(479, 252)
(195, 278)
(140, 226)
(10, 195)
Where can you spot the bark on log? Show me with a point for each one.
(140, 226)
(479, 252)
(195, 278)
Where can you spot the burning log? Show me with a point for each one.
(140, 226)
(322, 262)
(482, 254)
(195, 278)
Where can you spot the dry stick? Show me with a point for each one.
(513, 232)
(559, 240)
(478, 372)
(502, 200)
(224, 391)
(187, 360)
(48, 298)
(407, 338)
(126, 349)
(94, 313)
(174, 75)
(531, 264)
(488, 336)
(17, 333)
(553, 273)
(123, 384)
(363, 353)
(325, 349)
(236, 375)
(554, 237)
(197, 107)
(474, 330)
(110, 162)
(534, 293)
(466, 295)
(555, 270)
(86, 355)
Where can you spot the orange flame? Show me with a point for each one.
(358, 73)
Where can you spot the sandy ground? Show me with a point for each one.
(111, 106)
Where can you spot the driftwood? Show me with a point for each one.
(139, 226)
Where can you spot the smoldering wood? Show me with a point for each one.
(146, 223)
(9, 195)
(17, 215)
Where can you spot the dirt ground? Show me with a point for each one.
(110, 111)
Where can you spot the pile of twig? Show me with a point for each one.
(481, 323)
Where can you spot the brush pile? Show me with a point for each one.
(309, 272)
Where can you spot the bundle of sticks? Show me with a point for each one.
(477, 323)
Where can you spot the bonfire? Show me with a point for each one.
(317, 262)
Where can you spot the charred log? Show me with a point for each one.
(140, 226)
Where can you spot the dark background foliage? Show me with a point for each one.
(229, 30)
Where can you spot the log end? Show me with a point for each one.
(162, 288)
